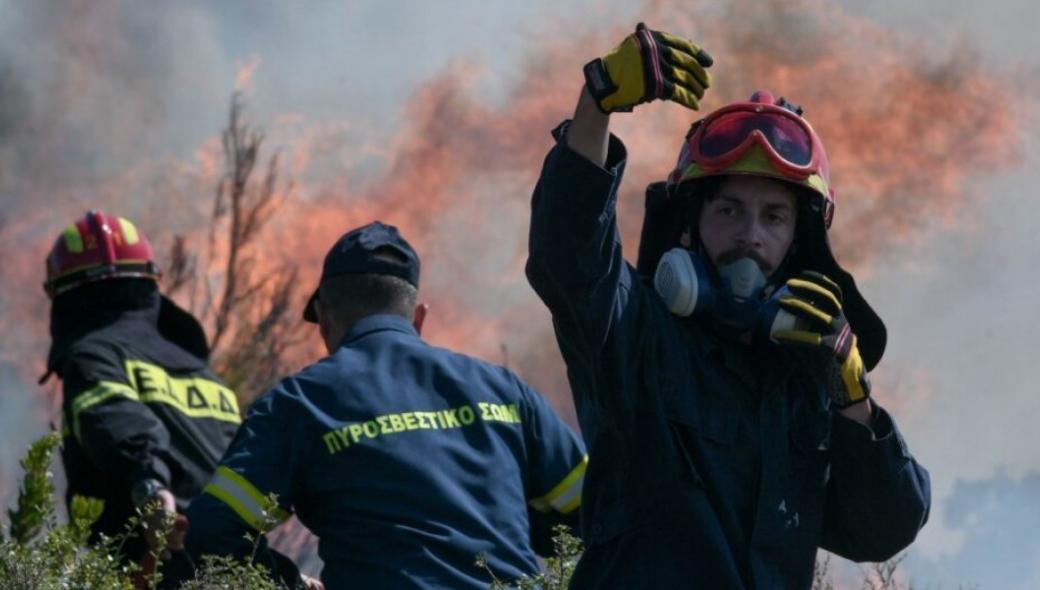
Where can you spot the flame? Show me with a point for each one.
(245, 72)
(457, 176)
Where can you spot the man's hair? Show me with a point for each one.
(350, 297)
(706, 190)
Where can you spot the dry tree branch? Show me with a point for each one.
(182, 266)
(246, 300)
(241, 147)
(882, 575)
(250, 313)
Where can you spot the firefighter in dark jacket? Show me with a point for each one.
(406, 460)
(144, 417)
(722, 383)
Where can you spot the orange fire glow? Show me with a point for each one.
(908, 135)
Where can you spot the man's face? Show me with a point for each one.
(749, 216)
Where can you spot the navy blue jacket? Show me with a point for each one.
(406, 461)
(713, 464)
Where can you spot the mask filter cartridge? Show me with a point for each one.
(684, 284)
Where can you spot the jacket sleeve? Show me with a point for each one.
(878, 497)
(575, 263)
(120, 434)
(259, 463)
(555, 471)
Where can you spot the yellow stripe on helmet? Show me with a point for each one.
(756, 163)
(73, 239)
(129, 231)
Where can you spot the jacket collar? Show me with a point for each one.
(378, 323)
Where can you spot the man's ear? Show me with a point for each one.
(419, 316)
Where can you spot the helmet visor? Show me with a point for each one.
(788, 137)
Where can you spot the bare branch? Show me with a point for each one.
(821, 573)
(182, 266)
(240, 151)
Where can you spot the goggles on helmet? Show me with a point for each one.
(762, 137)
(721, 140)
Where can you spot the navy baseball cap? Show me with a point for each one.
(355, 253)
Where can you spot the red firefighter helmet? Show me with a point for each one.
(764, 137)
(98, 247)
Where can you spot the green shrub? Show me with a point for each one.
(36, 553)
(556, 575)
(558, 570)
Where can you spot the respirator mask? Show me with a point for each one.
(738, 299)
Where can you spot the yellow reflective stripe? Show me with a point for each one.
(566, 496)
(192, 412)
(242, 497)
(95, 395)
(99, 393)
(196, 397)
(73, 239)
(129, 231)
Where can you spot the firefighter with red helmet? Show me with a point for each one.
(144, 417)
(722, 383)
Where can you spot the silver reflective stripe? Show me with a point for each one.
(238, 498)
(569, 499)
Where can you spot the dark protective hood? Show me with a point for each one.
(93, 306)
(181, 328)
(666, 218)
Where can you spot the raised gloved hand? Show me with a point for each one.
(648, 65)
(817, 302)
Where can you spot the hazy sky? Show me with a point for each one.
(959, 302)
(961, 310)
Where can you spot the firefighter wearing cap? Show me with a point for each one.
(144, 417)
(405, 460)
(722, 382)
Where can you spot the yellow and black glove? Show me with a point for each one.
(648, 65)
(816, 301)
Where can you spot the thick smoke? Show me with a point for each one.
(997, 519)
(119, 105)
(457, 173)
